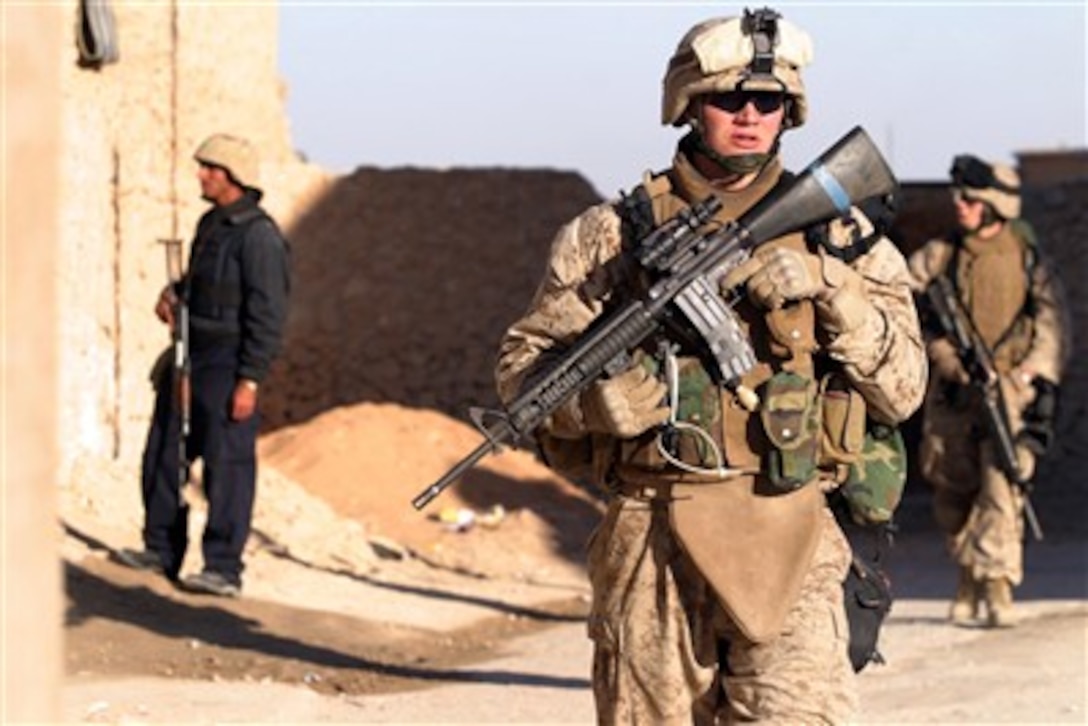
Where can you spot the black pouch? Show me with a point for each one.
(868, 599)
(162, 370)
(1039, 417)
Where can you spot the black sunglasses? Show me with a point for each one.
(734, 101)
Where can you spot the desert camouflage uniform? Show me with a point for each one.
(974, 503)
(669, 648)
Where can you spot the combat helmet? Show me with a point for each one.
(756, 52)
(997, 185)
(236, 155)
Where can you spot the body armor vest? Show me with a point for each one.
(993, 280)
(783, 339)
(213, 287)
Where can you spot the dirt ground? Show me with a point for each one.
(348, 590)
(359, 608)
(123, 624)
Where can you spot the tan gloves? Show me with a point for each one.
(626, 405)
(776, 275)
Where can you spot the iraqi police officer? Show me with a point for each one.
(236, 291)
(717, 591)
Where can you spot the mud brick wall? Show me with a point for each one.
(405, 280)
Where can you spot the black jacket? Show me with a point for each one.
(238, 284)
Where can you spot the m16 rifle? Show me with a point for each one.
(179, 335)
(685, 265)
(978, 362)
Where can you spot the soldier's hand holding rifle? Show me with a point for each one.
(164, 308)
(625, 405)
(777, 275)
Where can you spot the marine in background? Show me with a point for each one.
(1014, 303)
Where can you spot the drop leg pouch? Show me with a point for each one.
(868, 599)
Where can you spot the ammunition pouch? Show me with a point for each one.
(1039, 417)
(791, 420)
(843, 430)
(867, 458)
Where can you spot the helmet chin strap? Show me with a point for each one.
(733, 165)
(989, 216)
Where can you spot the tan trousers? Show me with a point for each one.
(666, 653)
(975, 505)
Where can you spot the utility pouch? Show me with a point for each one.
(843, 433)
(868, 599)
(875, 482)
(791, 420)
(162, 370)
(1039, 417)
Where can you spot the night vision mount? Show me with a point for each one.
(762, 26)
(970, 171)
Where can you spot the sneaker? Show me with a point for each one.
(210, 582)
(145, 560)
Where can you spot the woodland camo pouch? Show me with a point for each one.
(875, 483)
(791, 420)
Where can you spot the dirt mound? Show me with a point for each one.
(336, 492)
(508, 517)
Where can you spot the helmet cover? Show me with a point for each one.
(756, 52)
(995, 184)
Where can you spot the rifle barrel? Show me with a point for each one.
(1033, 521)
(424, 498)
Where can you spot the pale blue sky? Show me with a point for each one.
(576, 85)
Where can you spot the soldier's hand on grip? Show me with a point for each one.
(946, 361)
(626, 405)
(776, 275)
(164, 306)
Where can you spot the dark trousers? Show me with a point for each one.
(228, 451)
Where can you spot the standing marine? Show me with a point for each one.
(717, 571)
(1014, 304)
